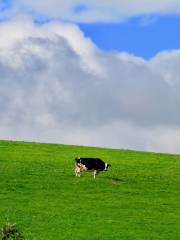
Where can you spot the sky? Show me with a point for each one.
(142, 36)
(98, 73)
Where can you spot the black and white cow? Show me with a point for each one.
(90, 164)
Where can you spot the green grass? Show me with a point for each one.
(138, 198)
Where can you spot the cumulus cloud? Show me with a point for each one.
(101, 10)
(57, 86)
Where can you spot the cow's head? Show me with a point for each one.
(107, 165)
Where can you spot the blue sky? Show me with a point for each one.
(4, 4)
(143, 36)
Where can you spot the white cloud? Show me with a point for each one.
(102, 10)
(57, 86)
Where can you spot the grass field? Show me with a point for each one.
(138, 198)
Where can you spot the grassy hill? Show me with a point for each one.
(138, 198)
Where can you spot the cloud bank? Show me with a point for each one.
(98, 11)
(57, 86)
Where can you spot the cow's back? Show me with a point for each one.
(91, 163)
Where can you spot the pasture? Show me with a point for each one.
(138, 198)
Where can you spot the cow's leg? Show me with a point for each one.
(96, 172)
(77, 171)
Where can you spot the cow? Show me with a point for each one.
(90, 164)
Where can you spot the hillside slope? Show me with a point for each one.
(137, 199)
